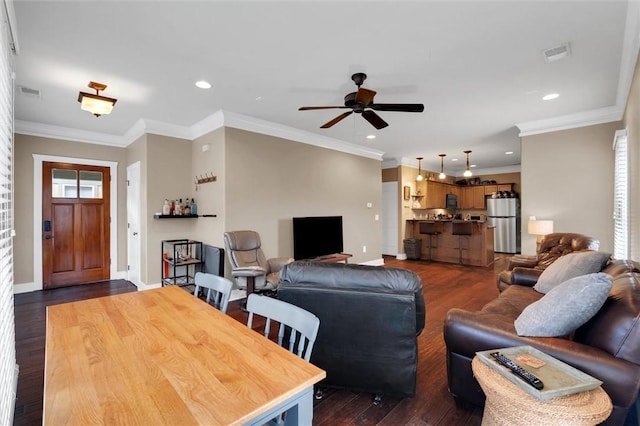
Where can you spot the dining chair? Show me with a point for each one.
(303, 324)
(218, 287)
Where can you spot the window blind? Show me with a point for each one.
(8, 367)
(621, 197)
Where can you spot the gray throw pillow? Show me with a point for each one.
(566, 307)
(569, 266)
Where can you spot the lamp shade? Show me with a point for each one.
(94, 103)
(540, 227)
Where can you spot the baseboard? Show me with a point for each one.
(374, 262)
(26, 288)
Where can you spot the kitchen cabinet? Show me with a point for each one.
(505, 187)
(472, 197)
(490, 189)
(436, 195)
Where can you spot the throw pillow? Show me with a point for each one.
(566, 307)
(569, 266)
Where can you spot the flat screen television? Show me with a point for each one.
(317, 236)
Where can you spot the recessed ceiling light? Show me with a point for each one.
(371, 136)
(550, 96)
(454, 159)
(508, 152)
(473, 165)
(259, 98)
(203, 84)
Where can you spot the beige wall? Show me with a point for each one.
(270, 180)
(169, 176)
(632, 124)
(25, 148)
(567, 176)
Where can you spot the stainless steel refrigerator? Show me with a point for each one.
(504, 215)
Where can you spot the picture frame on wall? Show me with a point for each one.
(407, 193)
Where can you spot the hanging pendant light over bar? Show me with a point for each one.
(419, 178)
(467, 172)
(442, 175)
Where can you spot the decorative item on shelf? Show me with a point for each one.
(442, 175)
(166, 207)
(467, 172)
(419, 178)
(194, 207)
(96, 104)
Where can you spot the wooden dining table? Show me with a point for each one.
(163, 356)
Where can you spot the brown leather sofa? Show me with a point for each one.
(525, 270)
(606, 347)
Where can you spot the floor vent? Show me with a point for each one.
(556, 53)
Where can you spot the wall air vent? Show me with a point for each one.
(556, 53)
(29, 92)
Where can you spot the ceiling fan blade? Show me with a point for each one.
(335, 120)
(307, 108)
(375, 120)
(398, 107)
(365, 96)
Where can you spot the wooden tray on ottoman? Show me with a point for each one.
(559, 378)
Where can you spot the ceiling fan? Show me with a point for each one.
(361, 102)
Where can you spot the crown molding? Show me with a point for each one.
(630, 49)
(571, 121)
(245, 122)
(58, 132)
(494, 171)
(207, 125)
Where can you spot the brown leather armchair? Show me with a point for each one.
(525, 270)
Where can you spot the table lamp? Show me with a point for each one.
(539, 228)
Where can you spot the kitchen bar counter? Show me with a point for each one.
(477, 248)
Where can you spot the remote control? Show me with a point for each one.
(518, 371)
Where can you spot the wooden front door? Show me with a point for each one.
(75, 224)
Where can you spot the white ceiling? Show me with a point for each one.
(477, 66)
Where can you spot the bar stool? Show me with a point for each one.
(428, 228)
(461, 229)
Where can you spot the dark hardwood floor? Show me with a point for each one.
(445, 286)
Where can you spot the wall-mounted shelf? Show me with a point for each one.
(168, 216)
(184, 216)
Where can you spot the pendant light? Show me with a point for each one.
(467, 173)
(419, 178)
(96, 104)
(442, 175)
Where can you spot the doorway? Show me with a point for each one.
(133, 223)
(76, 203)
(390, 218)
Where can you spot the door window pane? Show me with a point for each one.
(90, 184)
(64, 183)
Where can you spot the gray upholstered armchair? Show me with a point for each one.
(249, 266)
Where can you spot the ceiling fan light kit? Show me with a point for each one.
(361, 102)
(96, 104)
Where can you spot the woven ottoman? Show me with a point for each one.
(507, 404)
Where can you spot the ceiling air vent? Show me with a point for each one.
(29, 92)
(556, 53)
